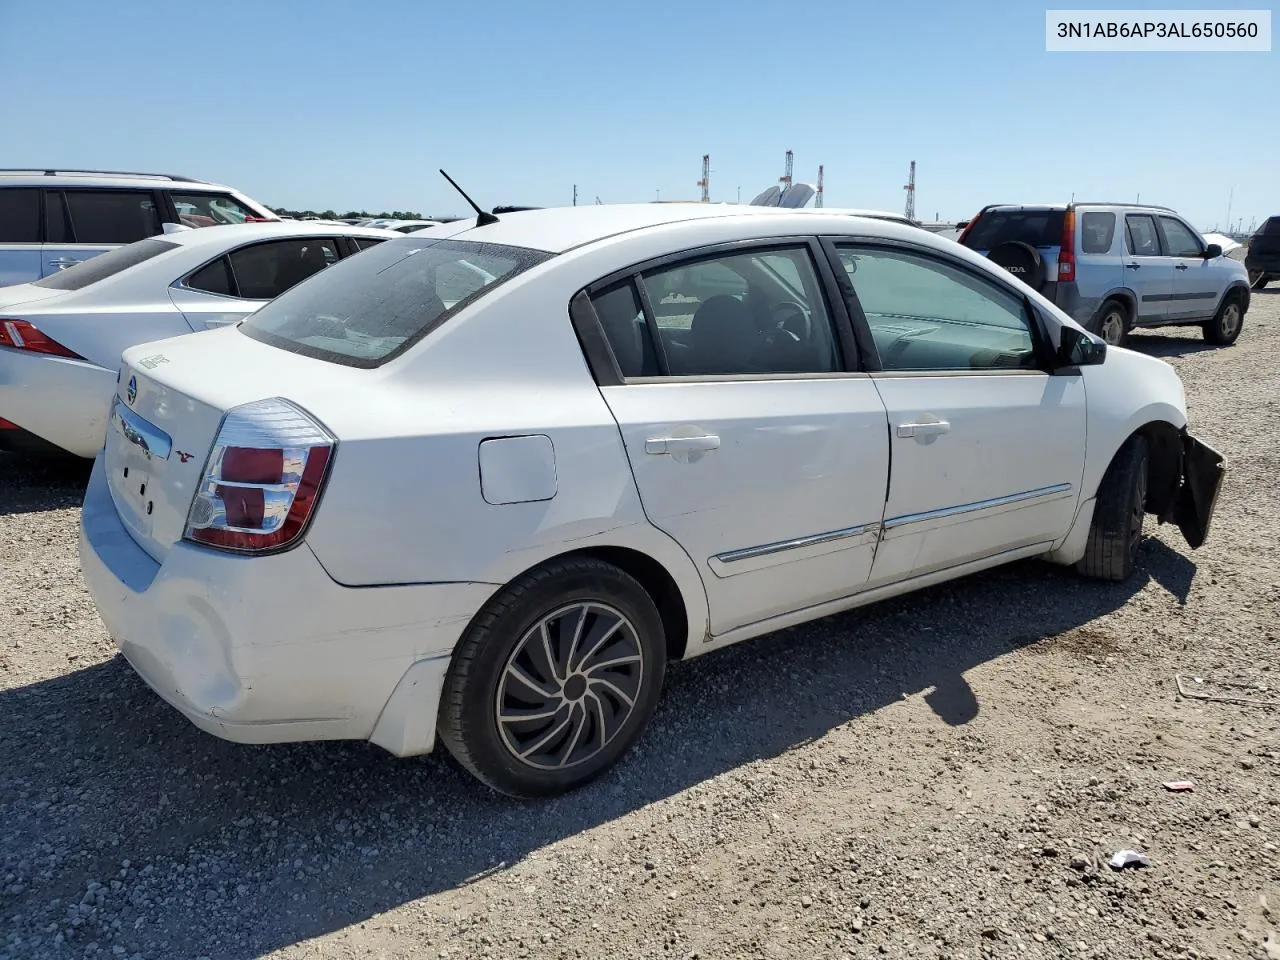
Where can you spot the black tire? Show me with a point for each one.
(1112, 323)
(1020, 259)
(483, 681)
(1224, 329)
(1258, 280)
(1116, 531)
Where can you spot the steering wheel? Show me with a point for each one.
(790, 320)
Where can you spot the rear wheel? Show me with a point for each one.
(1224, 329)
(1112, 323)
(555, 679)
(1118, 515)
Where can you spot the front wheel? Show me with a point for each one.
(1118, 515)
(555, 679)
(1224, 329)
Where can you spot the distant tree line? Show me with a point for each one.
(351, 214)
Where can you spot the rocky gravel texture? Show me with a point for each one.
(941, 776)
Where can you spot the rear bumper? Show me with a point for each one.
(62, 402)
(270, 649)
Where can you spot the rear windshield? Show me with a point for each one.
(367, 309)
(105, 265)
(1271, 228)
(1039, 228)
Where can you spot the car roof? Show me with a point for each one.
(557, 229)
(234, 233)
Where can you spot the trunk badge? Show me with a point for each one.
(131, 393)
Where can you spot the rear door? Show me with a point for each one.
(19, 235)
(80, 224)
(753, 441)
(234, 285)
(1149, 272)
(1197, 283)
(987, 450)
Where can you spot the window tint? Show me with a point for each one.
(371, 307)
(1097, 230)
(213, 278)
(266, 270)
(928, 315)
(364, 243)
(1179, 241)
(623, 320)
(1140, 235)
(19, 215)
(209, 209)
(112, 216)
(105, 265)
(758, 312)
(1039, 228)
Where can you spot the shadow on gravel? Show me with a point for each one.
(1167, 345)
(29, 484)
(234, 851)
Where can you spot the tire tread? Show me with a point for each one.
(1108, 554)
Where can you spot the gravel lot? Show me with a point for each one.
(939, 776)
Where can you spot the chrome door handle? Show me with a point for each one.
(660, 445)
(63, 262)
(931, 428)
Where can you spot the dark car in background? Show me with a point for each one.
(1262, 260)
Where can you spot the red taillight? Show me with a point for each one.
(1067, 250)
(21, 335)
(8, 424)
(263, 479)
(968, 226)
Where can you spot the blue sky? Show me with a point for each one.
(355, 105)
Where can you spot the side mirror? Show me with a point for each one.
(1080, 349)
(1212, 251)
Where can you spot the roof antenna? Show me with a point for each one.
(482, 218)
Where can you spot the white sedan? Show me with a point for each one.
(61, 337)
(485, 484)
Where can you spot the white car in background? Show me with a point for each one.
(61, 337)
(485, 483)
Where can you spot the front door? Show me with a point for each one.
(752, 444)
(1197, 282)
(987, 450)
(1148, 272)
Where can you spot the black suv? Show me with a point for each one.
(1263, 257)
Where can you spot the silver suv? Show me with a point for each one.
(52, 219)
(1115, 266)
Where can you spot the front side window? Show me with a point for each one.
(209, 209)
(370, 308)
(19, 215)
(1097, 230)
(112, 216)
(1179, 241)
(750, 313)
(925, 314)
(1141, 238)
(266, 270)
(106, 265)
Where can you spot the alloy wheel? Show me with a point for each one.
(1112, 329)
(1230, 320)
(569, 686)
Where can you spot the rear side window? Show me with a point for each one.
(1097, 230)
(1038, 228)
(105, 265)
(371, 308)
(213, 278)
(209, 209)
(112, 216)
(1141, 237)
(267, 270)
(19, 215)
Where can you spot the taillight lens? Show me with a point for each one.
(968, 227)
(21, 335)
(1067, 249)
(264, 476)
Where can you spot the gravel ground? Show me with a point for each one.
(938, 776)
